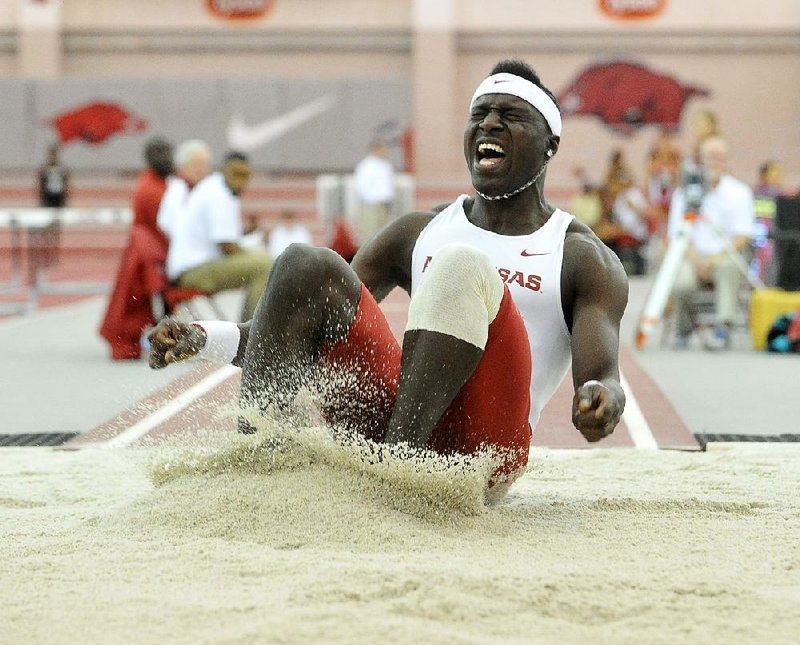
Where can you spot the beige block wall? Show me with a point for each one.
(192, 14)
(731, 15)
(578, 15)
(318, 65)
(732, 46)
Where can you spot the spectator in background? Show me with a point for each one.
(204, 250)
(192, 164)
(770, 180)
(663, 175)
(151, 185)
(374, 185)
(616, 174)
(726, 214)
(53, 181)
(766, 192)
(342, 241)
(287, 231)
(704, 125)
(632, 213)
(140, 275)
(586, 206)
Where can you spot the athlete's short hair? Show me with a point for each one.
(522, 69)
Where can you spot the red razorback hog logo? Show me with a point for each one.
(627, 96)
(96, 122)
(239, 9)
(632, 9)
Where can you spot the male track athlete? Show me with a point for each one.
(504, 289)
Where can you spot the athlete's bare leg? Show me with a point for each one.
(435, 367)
(448, 328)
(311, 298)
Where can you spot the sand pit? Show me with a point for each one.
(618, 546)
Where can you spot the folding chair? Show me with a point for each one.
(176, 298)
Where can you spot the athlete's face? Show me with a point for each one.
(505, 142)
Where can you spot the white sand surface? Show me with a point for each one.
(232, 545)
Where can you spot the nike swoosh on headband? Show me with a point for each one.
(247, 138)
(525, 253)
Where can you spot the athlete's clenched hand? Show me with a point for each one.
(597, 408)
(172, 341)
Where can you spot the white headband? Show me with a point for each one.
(511, 84)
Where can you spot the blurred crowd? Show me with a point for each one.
(730, 241)
(189, 228)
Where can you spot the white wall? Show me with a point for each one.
(747, 52)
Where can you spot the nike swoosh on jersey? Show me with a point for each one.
(525, 253)
(247, 138)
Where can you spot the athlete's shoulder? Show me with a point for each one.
(465, 200)
(587, 258)
(396, 238)
(411, 224)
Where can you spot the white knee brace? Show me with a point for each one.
(459, 295)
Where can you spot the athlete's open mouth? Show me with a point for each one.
(490, 155)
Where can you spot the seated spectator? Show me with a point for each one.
(663, 176)
(586, 206)
(140, 275)
(152, 185)
(726, 219)
(192, 164)
(287, 231)
(204, 250)
(606, 229)
(770, 180)
(632, 213)
(705, 125)
(766, 192)
(616, 173)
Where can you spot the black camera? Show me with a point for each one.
(694, 184)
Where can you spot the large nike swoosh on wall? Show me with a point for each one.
(247, 138)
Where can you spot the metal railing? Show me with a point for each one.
(35, 244)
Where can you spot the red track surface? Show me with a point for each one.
(555, 428)
(93, 255)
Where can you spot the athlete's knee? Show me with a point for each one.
(313, 276)
(459, 295)
(299, 268)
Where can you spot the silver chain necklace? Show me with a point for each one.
(494, 198)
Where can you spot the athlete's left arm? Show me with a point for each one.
(598, 291)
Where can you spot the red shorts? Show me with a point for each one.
(491, 409)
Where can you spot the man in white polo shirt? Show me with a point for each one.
(205, 251)
(192, 165)
(726, 216)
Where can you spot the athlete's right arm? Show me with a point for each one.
(384, 262)
(173, 341)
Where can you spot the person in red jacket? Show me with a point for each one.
(140, 274)
(151, 184)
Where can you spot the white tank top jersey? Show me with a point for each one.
(531, 267)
